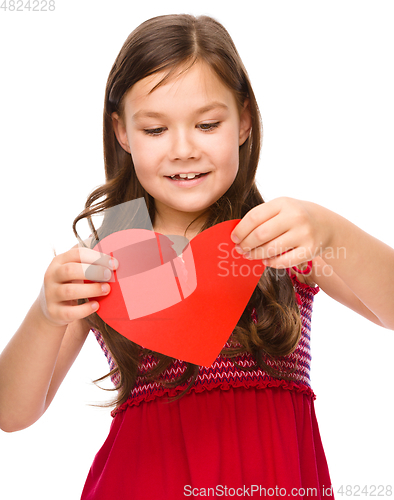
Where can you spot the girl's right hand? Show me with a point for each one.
(63, 284)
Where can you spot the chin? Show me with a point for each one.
(188, 205)
(190, 209)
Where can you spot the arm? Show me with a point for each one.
(33, 365)
(39, 355)
(364, 264)
(324, 276)
(350, 265)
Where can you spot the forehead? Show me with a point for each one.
(192, 89)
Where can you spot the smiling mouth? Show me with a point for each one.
(186, 177)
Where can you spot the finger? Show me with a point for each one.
(264, 233)
(274, 257)
(271, 250)
(73, 271)
(93, 272)
(88, 256)
(287, 260)
(276, 247)
(68, 314)
(75, 291)
(256, 216)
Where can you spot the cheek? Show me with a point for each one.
(142, 155)
(228, 152)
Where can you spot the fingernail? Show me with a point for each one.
(105, 288)
(94, 305)
(235, 238)
(107, 274)
(113, 263)
(239, 249)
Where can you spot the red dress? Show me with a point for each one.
(235, 433)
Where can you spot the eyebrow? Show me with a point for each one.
(154, 114)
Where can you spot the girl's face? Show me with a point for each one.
(189, 125)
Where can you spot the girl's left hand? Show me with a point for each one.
(284, 232)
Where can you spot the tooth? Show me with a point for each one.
(191, 176)
(183, 176)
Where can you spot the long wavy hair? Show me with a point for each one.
(164, 44)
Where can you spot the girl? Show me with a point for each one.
(178, 102)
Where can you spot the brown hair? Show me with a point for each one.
(165, 43)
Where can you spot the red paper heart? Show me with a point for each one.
(197, 324)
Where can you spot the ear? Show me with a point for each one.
(120, 131)
(245, 124)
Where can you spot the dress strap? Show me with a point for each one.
(307, 270)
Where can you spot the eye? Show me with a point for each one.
(207, 127)
(154, 131)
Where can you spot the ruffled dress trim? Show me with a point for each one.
(225, 386)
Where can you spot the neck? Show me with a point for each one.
(176, 222)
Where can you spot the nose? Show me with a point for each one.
(183, 146)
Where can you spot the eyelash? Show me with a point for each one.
(212, 126)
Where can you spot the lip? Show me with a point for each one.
(188, 183)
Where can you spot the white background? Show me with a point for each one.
(323, 76)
